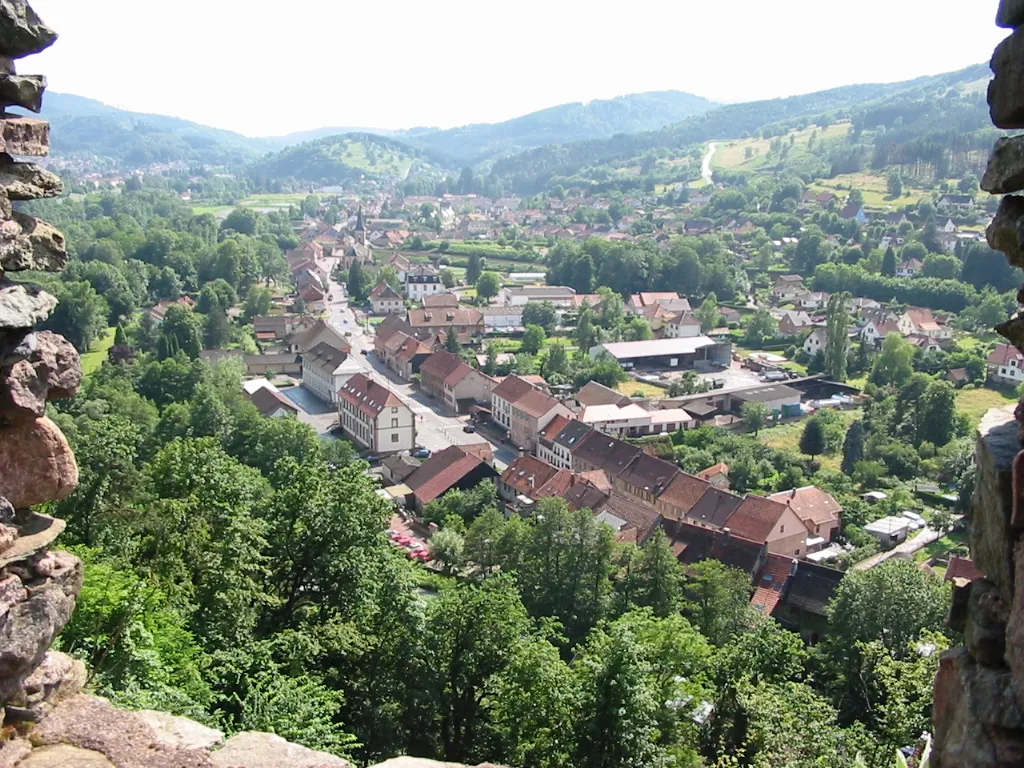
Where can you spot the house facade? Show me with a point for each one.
(385, 300)
(324, 370)
(374, 417)
(446, 377)
(1006, 365)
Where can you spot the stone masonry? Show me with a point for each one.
(978, 715)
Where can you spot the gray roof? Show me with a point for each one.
(767, 394)
(552, 291)
(572, 433)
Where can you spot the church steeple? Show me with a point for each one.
(360, 226)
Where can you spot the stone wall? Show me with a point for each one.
(978, 715)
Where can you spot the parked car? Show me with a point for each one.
(717, 383)
(364, 352)
(421, 453)
(469, 428)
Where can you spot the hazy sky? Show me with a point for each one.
(267, 68)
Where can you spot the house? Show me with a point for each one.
(670, 300)
(558, 439)
(645, 478)
(1006, 365)
(268, 328)
(787, 287)
(694, 544)
(374, 417)
(819, 511)
(271, 403)
(958, 377)
(680, 496)
(617, 420)
(325, 369)
(805, 598)
(683, 325)
(528, 479)
(770, 584)
(443, 300)
(949, 228)
(502, 319)
(320, 332)
(877, 325)
(632, 520)
(462, 322)
(775, 396)
(530, 413)
(713, 509)
(920, 322)
(312, 298)
(447, 377)
(385, 300)
(404, 354)
(456, 467)
(559, 295)
(855, 212)
(794, 322)
(599, 451)
(265, 365)
(909, 268)
(401, 264)
(813, 300)
(595, 393)
(419, 285)
(955, 203)
(895, 219)
(398, 467)
(777, 525)
(159, 311)
(814, 344)
(716, 475)
(889, 531)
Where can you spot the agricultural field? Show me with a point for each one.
(874, 188)
(97, 353)
(976, 402)
(733, 155)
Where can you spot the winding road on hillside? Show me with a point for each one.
(705, 168)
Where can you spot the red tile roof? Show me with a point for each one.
(771, 583)
(1004, 353)
(755, 517)
(367, 395)
(536, 403)
(811, 504)
(962, 568)
(512, 388)
(554, 427)
(721, 468)
(384, 291)
(684, 491)
(441, 472)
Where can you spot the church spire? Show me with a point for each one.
(360, 226)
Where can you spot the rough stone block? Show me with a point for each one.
(29, 628)
(253, 749)
(1003, 232)
(22, 32)
(58, 677)
(28, 181)
(24, 136)
(65, 756)
(985, 631)
(35, 533)
(28, 243)
(23, 305)
(53, 371)
(180, 732)
(992, 504)
(38, 464)
(1005, 170)
(22, 91)
(977, 714)
(1010, 14)
(1006, 91)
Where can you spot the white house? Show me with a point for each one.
(920, 322)
(418, 286)
(499, 318)
(1006, 365)
(909, 268)
(812, 301)
(814, 344)
(325, 369)
(681, 326)
(385, 300)
(375, 417)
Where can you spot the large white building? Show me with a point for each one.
(559, 295)
(375, 417)
(324, 369)
(418, 286)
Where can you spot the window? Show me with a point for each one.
(394, 409)
(394, 423)
(782, 529)
(394, 439)
(798, 552)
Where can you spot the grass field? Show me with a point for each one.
(787, 438)
(874, 189)
(253, 201)
(975, 402)
(631, 387)
(97, 353)
(732, 154)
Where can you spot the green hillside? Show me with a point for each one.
(337, 159)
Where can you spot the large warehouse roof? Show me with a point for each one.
(631, 350)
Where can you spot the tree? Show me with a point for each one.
(451, 342)
(659, 577)
(389, 275)
(894, 364)
(179, 332)
(556, 363)
(853, 447)
(81, 314)
(813, 441)
(356, 283)
(447, 278)
(491, 364)
(707, 313)
(837, 337)
(938, 420)
(257, 303)
(216, 329)
(488, 285)
(756, 416)
(245, 221)
(894, 185)
(944, 266)
(717, 600)
(473, 268)
(761, 327)
(447, 547)
(856, 198)
(542, 314)
(586, 333)
(889, 262)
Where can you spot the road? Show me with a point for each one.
(436, 427)
(705, 169)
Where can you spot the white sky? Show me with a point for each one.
(267, 68)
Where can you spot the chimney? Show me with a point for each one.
(727, 534)
(793, 567)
